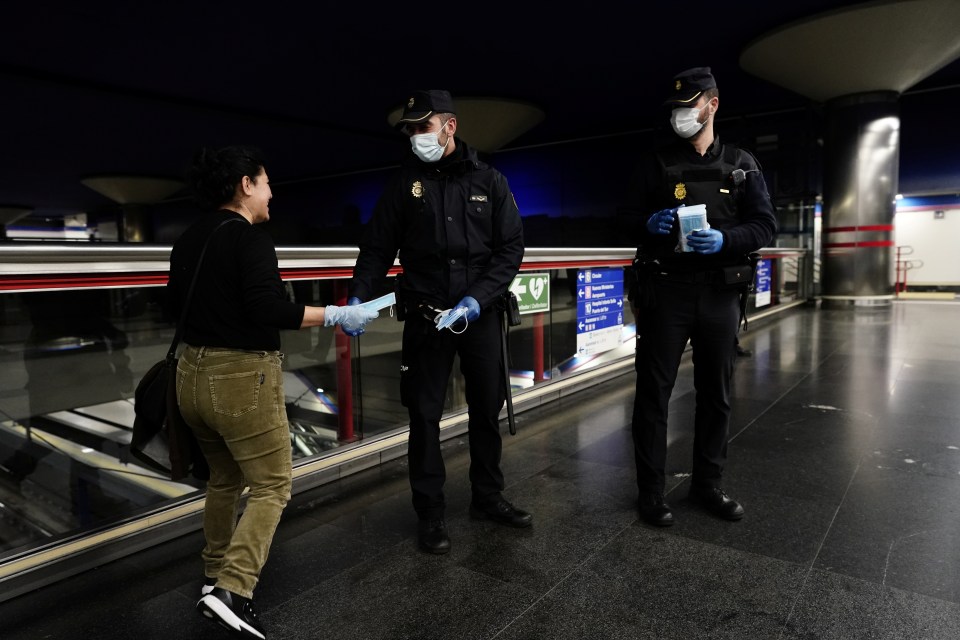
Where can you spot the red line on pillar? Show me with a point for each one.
(868, 227)
(344, 365)
(871, 243)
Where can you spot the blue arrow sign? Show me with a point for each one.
(599, 299)
(596, 276)
(596, 307)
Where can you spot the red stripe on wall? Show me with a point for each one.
(152, 279)
(570, 264)
(873, 243)
(19, 283)
(868, 227)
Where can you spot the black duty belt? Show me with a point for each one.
(696, 277)
(429, 312)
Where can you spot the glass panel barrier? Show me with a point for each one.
(81, 325)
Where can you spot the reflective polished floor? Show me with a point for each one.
(845, 453)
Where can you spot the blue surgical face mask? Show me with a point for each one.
(427, 145)
(686, 121)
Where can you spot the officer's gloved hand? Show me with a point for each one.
(463, 313)
(351, 319)
(661, 223)
(472, 308)
(705, 241)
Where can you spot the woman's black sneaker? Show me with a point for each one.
(234, 613)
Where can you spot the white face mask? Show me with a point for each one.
(685, 121)
(427, 145)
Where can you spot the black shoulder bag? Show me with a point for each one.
(162, 440)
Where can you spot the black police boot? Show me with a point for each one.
(653, 510)
(716, 501)
(501, 511)
(432, 536)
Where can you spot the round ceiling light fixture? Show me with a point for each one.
(489, 123)
(127, 189)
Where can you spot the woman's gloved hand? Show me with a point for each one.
(352, 318)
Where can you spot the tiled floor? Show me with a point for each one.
(845, 454)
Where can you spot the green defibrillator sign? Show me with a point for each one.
(532, 291)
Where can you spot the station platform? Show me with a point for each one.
(844, 451)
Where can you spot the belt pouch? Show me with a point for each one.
(740, 274)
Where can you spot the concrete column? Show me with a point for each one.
(135, 223)
(861, 163)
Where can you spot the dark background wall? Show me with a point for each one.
(568, 192)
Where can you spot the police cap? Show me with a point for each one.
(423, 104)
(688, 85)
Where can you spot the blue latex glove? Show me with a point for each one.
(462, 313)
(661, 223)
(351, 319)
(353, 301)
(472, 307)
(705, 241)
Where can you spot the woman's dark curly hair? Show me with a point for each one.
(215, 173)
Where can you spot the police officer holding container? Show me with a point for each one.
(456, 226)
(689, 288)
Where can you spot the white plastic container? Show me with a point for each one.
(692, 218)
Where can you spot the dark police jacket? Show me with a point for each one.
(738, 205)
(456, 227)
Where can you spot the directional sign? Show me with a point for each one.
(596, 307)
(599, 309)
(763, 280)
(532, 291)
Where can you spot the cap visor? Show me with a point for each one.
(683, 99)
(418, 116)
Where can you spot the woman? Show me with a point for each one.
(229, 380)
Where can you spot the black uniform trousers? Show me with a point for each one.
(709, 318)
(428, 357)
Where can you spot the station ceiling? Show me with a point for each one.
(124, 88)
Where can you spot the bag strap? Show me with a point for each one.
(752, 259)
(178, 334)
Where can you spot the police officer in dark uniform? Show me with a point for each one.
(455, 223)
(692, 295)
